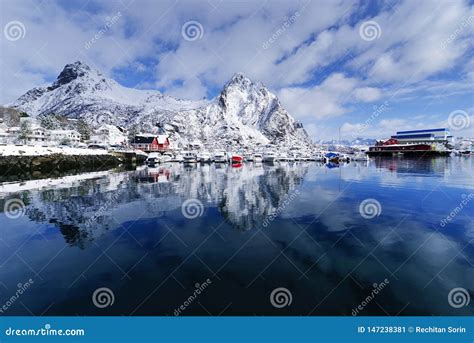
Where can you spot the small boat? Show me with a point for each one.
(189, 157)
(269, 156)
(360, 157)
(331, 157)
(257, 157)
(248, 157)
(166, 158)
(205, 157)
(153, 159)
(283, 157)
(237, 158)
(177, 158)
(220, 157)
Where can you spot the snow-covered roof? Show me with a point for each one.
(162, 139)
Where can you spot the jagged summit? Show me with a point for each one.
(245, 113)
(73, 71)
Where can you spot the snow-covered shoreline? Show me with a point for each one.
(35, 150)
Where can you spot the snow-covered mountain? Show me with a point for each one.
(244, 113)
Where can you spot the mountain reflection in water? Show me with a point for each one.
(292, 225)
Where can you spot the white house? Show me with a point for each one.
(110, 135)
(59, 136)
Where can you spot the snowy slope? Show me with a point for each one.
(243, 114)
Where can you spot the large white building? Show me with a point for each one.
(428, 136)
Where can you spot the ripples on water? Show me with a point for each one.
(260, 227)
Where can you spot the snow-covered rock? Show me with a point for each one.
(243, 114)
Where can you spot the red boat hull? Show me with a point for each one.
(237, 159)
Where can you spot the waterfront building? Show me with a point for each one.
(429, 136)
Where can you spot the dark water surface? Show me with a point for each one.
(260, 227)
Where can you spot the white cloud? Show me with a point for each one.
(319, 65)
(327, 99)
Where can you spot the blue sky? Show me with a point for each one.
(366, 68)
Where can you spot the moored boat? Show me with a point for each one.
(220, 157)
(269, 156)
(189, 157)
(257, 157)
(204, 157)
(237, 158)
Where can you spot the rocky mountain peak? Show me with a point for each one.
(73, 71)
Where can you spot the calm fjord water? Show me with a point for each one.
(127, 231)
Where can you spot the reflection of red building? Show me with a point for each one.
(160, 176)
(151, 143)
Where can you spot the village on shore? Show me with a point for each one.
(33, 137)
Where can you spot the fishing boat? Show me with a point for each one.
(189, 157)
(177, 158)
(166, 158)
(237, 158)
(220, 157)
(361, 156)
(257, 157)
(283, 157)
(269, 156)
(331, 157)
(153, 159)
(204, 157)
(248, 157)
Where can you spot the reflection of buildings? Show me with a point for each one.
(422, 166)
(87, 208)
